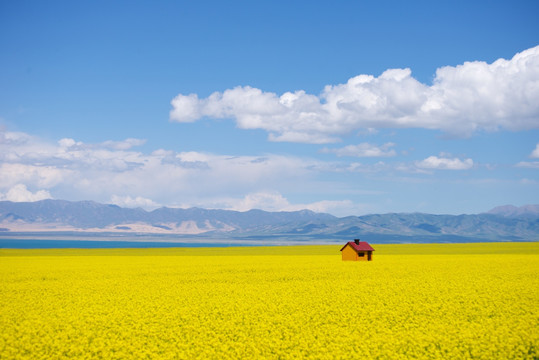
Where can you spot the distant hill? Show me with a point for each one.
(504, 223)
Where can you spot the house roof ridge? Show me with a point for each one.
(361, 246)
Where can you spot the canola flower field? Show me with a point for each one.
(446, 301)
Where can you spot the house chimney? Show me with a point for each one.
(356, 241)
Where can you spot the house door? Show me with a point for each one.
(369, 256)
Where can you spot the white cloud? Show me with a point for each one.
(528, 164)
(535, 152)
(40, 176)
(19, 193)
(444, 163)
(462, 100)
(134, 202)
(67, 143)
(106, 171)
(275, 201)
(13, 138)
(269, 201)
(363, 150)
(124, 144)
(185, 108)
(103, 172)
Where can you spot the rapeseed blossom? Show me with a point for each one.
(434, 302)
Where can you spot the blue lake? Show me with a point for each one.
(89, 244)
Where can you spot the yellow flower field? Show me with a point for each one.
(477, 301)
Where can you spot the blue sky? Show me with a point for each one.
(347, 107)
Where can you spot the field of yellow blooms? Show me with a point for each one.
(463, 301)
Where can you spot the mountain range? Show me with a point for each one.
(54, 217)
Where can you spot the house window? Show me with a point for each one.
(360, 254)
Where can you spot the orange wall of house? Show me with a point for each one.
(363, 258)
(349, 254)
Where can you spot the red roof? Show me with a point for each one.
(362, 246)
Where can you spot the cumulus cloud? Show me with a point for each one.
(33, 169)
(462, 100)
(36, 175)
(270, 201)
(19, 193)
(363, 150)
(71, 169)
(13, 138)
(275, 201)
(134, 202)
(535, 152)
(444, 163)
(113, 172)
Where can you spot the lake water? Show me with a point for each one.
(89, 244)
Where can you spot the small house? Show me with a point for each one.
(357, 251)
